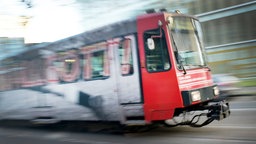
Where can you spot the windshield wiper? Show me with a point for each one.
(185, 72)
(177, 56)
(204, 66)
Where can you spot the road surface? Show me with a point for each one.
(239, 128)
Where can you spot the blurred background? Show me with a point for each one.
(229, 37)
(229, 27)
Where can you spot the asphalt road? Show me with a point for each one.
(240, 127)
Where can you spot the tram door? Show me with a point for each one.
(158, 75)
(128, 86)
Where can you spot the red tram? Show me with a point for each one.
(148, 70)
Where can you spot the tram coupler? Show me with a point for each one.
(219, 110)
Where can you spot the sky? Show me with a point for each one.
(48, 20)
(51, 20)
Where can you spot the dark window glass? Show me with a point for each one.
(97, 64)
(157, 58)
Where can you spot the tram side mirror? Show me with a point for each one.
(151, 43)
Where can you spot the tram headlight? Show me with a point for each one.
(216, 91)
(195, 96)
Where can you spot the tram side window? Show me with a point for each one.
(97, 64)
(157, 58)
(125, 57)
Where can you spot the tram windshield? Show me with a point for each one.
(186, 35)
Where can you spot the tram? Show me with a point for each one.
(148, 70)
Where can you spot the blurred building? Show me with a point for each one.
(230, 34)
(12, 31)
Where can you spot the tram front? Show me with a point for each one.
(174, 71)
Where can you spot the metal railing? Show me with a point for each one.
(229, 11)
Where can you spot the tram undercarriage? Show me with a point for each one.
(209, 111)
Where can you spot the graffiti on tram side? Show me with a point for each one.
(79, 76)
